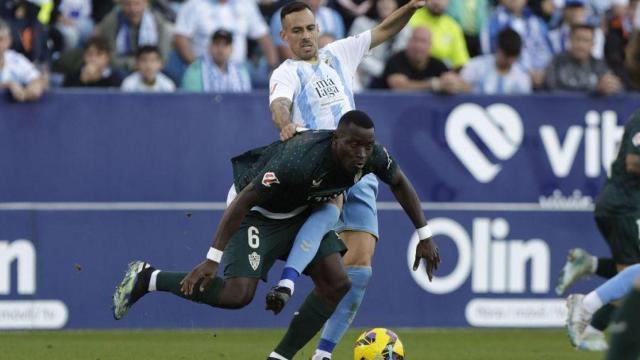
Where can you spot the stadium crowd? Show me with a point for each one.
(450, 46)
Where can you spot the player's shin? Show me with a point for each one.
(618, 286)
(307, 321)
(625, 329)
(307, 242)
(170, 282)
(346, 311)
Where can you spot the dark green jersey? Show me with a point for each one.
(621, 193)
(302, 171)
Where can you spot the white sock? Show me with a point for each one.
(320, 354)
(594, 264)
(288, 284)
(592, 302)
(152, 281)
(275, 355)
(590, 329)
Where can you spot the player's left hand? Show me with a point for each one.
(427, 250)
(203, 271)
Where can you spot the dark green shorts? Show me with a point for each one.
(621, 233)
(260, 241)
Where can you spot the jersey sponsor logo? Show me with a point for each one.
(326, 88)
(636, 139)
(269, 178)
(498, 126)
(254, 260)
(316, 183)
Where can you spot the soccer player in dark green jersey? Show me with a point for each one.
(277, 185)
(617, 215)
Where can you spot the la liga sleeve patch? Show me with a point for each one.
(635, 140)
(269, 178)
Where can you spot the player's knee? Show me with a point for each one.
(339, 289)
(243, 295)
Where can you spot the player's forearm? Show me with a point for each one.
(281, 112)
(408, 199)
(233, 216)
(392, 24)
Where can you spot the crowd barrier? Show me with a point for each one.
(91, 181)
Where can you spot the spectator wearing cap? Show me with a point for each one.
(498, 73)
(148, 77)
(619, 34)
(577, 70)
(536, 50)
(198, 19)
(96, 71)
(575, 13)
(131, 25)
(215, 71)
(17, 74)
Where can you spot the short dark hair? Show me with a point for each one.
(292, 8)
(355, 117)
(582, 26)
(147, 49)
(99, 42)
(510, 42)
(222, 34)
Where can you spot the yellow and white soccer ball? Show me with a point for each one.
(378, 344)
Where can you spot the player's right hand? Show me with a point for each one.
(427, 250)
(287, 131)
(203, 271)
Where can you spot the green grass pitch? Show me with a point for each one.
(420, 344)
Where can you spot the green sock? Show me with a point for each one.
(170, 282)
(306, 323)
(625, 330)
(602, 317)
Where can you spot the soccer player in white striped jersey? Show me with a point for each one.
(312, 90)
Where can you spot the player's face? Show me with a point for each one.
(353, 148)
(300, 32)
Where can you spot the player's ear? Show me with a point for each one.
(283, 35)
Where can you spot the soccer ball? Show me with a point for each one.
(378, 344)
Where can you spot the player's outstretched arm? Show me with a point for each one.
(408, 199)
(393, 23)
(230, 222)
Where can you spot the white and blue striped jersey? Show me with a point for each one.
(17, 68)
(323, 91)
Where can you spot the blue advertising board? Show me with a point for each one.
(91, 181)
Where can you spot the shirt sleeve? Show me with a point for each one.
(383, 164)
(350, 51)
(283, 83)
(185, 24)
(258, 27)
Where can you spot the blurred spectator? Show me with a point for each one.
(577, 70)
(415, 68)
(325, 39)
(471, 15)
(548, 10)
(17, 74)
(499, 73)
(575, 13)
(372, 65)
(95, 71)
(28, 34)
(199, 19)
(215, 71)
(351, 9)
(148, 78)
(100, 9)
(131, 25)
(632, 60)
(448, 40)
(328, 20)
(73, 19)
(619, 30)
(536, 51)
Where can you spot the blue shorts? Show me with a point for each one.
(359, 211)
